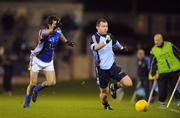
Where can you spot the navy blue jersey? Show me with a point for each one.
(46, 45)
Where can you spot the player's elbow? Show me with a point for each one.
(51, 83)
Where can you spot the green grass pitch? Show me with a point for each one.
(76, 99)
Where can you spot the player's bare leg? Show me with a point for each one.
(50, 81)
(32, 84)
(124, 82)
(50, 78)
(103, 96)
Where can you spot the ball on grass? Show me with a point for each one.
(141, 106)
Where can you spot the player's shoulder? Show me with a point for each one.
(42, 30)
(96, 37)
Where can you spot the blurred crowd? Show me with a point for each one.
(13, 48)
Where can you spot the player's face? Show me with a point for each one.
(54, 23)
(158, 40)
(102, 28)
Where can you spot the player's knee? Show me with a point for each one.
(51, 83)
(104, 92)
(126, 81)
(33, 83)
(103, 95)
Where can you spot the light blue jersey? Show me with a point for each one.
(46, 45)
(104, 57)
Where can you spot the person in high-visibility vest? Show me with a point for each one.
(166, 59)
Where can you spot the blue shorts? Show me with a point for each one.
(103, 76)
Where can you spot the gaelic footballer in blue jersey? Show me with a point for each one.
(102, 45)
(41, 58)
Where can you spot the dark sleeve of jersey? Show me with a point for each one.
(176, 51)
(95, 39)
(153, 64)
(93, 44)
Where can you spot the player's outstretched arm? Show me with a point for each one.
(69, 43)
(124, 48)
(117, 45)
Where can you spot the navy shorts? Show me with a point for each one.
(103, 76)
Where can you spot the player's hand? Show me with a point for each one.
(108, 40)
(70, 43)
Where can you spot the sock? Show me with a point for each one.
(27, 99)
(37, 88)
(106, 104)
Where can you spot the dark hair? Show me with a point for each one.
(100, 20)
(50, 19)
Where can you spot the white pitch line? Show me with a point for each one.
(173, 110)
